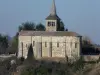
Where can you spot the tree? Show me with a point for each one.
(3, 43)
(66, 29)
(40, 27)
(27, 26)
(86, 40)
(13, 46)
(24, 26)
(30, 54)
(31, 26)
(62, 26)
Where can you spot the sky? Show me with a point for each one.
(81, 16)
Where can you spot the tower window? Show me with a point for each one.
(33, 43)
(45, 44)
(53, 23)
(49, 23)
(57, 44)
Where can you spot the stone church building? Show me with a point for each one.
(50, 43)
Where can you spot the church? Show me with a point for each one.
(52, 42)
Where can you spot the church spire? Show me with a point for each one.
(53, 9)
(53, 21)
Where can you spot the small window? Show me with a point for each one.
(22, 48)
(26, 45)
(53, 23)
(41, 44)
(33, 43)
(58, 44)
(45, 44)
(75, 45)
(49, 23)
(22, 44)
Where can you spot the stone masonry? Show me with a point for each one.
(68, 46)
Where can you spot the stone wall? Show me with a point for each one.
(51, 28)
(91, 57)
(26, 40)
(66, 46)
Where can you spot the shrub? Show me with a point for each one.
(78, 65)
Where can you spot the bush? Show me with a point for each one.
(41, 70)
(78, 65)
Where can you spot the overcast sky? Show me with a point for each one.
(81, 16)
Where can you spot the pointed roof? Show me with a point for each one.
(53, 14)
(53, 9)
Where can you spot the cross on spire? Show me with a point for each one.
(53, 9)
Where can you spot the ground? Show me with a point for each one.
(46, 67)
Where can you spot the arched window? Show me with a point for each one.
(26, 45)
(22, 45)
(75, 45)
(49, 23)
(33, 43)
(22, 48)
(57, 44)
(53, 23)
(45, 44)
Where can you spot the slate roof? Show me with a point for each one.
(53, 14)
(52, 17)
(48, 33)
(53, 8)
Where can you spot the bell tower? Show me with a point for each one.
(53, 21)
